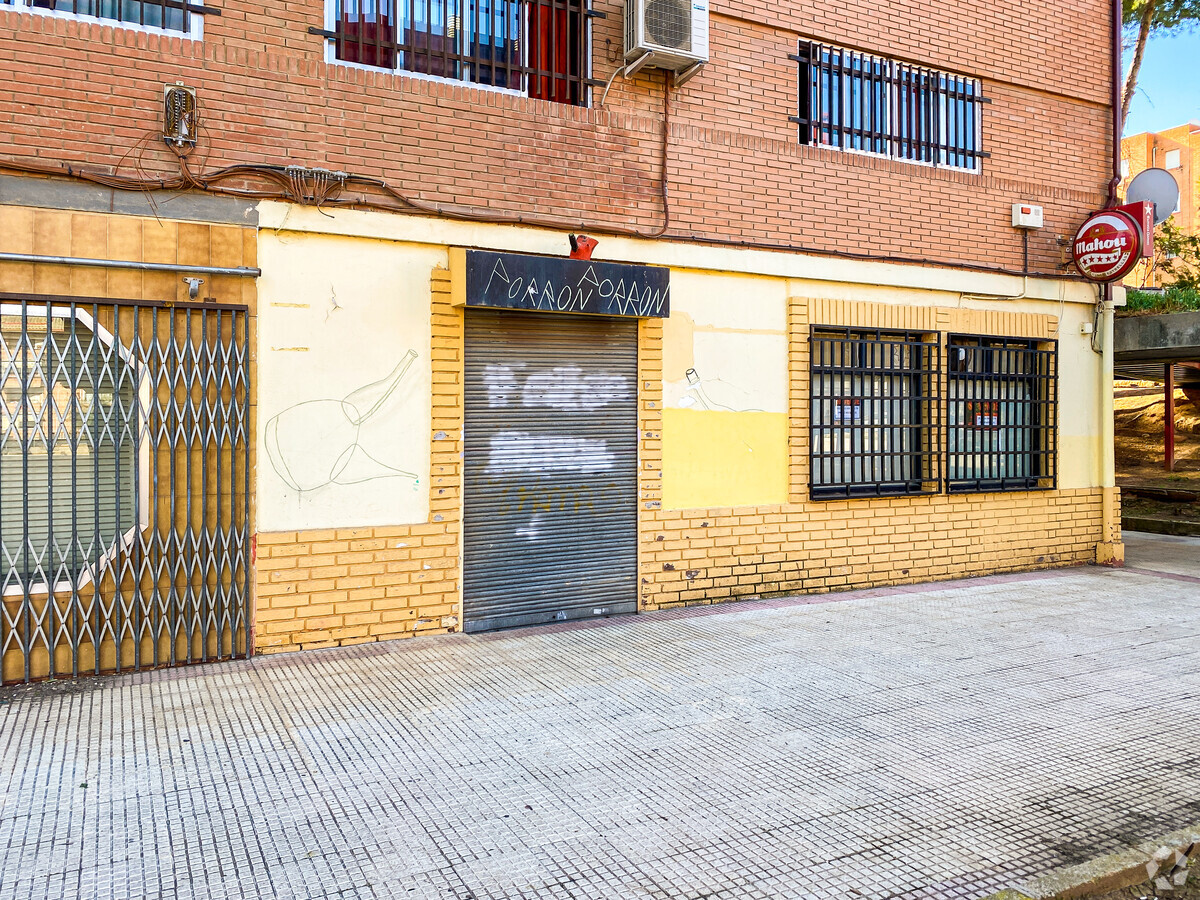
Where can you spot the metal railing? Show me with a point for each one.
(536, 47)
(1002, 407)
(125, 485)
(171, 15)
(871, 104)
(874, 408)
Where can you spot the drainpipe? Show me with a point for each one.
(1113, 554)
(1111, 551)
(1115, 180)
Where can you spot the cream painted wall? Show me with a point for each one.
(1081, 370)
(730, 331)
(851, 273)
(343, 381)
(725, 391)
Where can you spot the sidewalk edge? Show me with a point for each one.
(1112, 872)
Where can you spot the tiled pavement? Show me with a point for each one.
(935, 741)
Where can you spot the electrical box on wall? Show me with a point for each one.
(1026, 215)
(180, 115)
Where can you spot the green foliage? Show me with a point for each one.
(1169, 15)
(1173, 299)
(1177, 256)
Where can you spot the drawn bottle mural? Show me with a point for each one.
(318, 443)
(697, 394)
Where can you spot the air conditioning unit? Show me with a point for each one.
(666, 34)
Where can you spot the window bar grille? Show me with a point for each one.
(1002, 413)
(837, 104)
(874, 409)
(853, 100)
(533, 46)
(170, 15)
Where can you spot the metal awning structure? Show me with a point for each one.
(1164, 349)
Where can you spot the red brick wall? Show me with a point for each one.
(90, 95)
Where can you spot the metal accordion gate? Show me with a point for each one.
(124, 485)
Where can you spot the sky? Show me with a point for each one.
(1168, 89)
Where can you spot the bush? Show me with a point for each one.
(1173, 299)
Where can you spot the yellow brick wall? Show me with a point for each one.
(707, 556)
(352, 586)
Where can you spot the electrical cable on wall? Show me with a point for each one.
(325, 188)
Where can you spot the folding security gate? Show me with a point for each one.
(124, 485)
(550, 493)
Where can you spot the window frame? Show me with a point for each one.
(924, 406)
(193, 32)
(586, 82)
(825, 70)
(1042, 406)
(141, 456)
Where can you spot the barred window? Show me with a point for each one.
(874, 413)
(68, 443)
(535, 47)
(1002, 414)
(870, 104)
(169, 15)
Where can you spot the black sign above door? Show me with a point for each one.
(485, 278)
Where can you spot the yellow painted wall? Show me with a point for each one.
(716, 458)
(725, 391)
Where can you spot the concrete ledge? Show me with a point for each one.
(1106, 873)
(1157, 337)
(59, 193)
(1160, 526)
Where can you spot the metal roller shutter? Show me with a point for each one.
(550, 527)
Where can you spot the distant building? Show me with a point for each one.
(1178, 151)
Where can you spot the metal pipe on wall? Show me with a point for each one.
(240, 271)
(1115, 181)
(1108, 478)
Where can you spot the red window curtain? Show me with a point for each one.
(554, 50)
(366, 33)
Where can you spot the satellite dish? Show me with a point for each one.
(1155, 186)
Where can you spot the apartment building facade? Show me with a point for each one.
(1177, 150)
(295, 355)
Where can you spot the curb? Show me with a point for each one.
(1105, 873)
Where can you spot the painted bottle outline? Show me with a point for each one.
(331, 452)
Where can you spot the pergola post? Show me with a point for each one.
(1169, 419)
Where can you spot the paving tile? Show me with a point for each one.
(939, 741)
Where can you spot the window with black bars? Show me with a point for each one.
(1002, 409)
(170, 15)
(874, 413)
(536, 47)
(870, 104)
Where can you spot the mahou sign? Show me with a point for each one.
(1107, 246)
